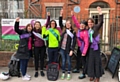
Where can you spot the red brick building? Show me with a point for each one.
(38, 8)
(111, 11)
(86, 6)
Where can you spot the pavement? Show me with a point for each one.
(107, 77)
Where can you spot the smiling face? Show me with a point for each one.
(29, 27)
(90, 23)
(37, 25)
(82, 26)
(68, 24)
(53, 24)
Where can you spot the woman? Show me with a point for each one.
(53, 37)
(95, 69)
(25, 47)
(83, 44)
(67, 45)
(39, 46)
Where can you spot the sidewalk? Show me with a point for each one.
(107, 77)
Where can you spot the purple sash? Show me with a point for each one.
(27, 35)
(81, 41)
(95, 42)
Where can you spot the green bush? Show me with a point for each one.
(8, 45)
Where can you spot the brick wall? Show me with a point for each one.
(83, 5)
(5, 59)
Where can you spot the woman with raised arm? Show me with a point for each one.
(83, 44)
(95, 70)
(52, 35)
(67, 45)
(39, 46)
(25, 47)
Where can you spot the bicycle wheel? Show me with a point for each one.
(104, 59)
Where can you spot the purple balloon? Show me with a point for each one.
(32, 22)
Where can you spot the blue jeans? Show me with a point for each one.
(23, 66)
(53, 55)
(65, 57)
(24, 63)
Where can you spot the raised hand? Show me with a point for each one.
(61, 12)
(72, 13)
(48, 13)
(99, 10)
(17, 19)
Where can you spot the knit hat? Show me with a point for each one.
(84, 22)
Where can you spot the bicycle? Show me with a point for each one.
(104, 59)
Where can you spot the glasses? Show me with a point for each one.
(52, 22)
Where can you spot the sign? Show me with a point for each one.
(114, 61)
(77, 9)
(8, 27)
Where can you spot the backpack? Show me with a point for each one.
(14, 66)
(53, 71)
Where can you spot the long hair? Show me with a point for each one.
(53, 21)
(38, 30)
(70, 23)
(28, 26)
(66, 27)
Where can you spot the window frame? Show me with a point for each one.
(54, 9)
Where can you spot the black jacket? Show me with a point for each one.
(70, 45)
(23, 51)
(97, 27)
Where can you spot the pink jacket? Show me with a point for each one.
(83, 35)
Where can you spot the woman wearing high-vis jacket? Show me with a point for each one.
(53, 38)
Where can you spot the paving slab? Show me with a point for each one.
(107, 77)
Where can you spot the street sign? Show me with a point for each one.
(76, 9)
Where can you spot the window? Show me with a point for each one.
(95, 17)
(4, 15)
(3, 5)
(21, 15)
(20, 4)
(54, 12)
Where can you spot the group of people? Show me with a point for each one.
(87, 38)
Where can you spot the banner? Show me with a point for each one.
(8, 27)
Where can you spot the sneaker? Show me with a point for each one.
(28, 75)
(25, 78)
(82, 76)
(42, 73)
(68, 76)
(63, 76)
(75, 71)
(36, 74)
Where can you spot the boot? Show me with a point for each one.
(97, 80)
